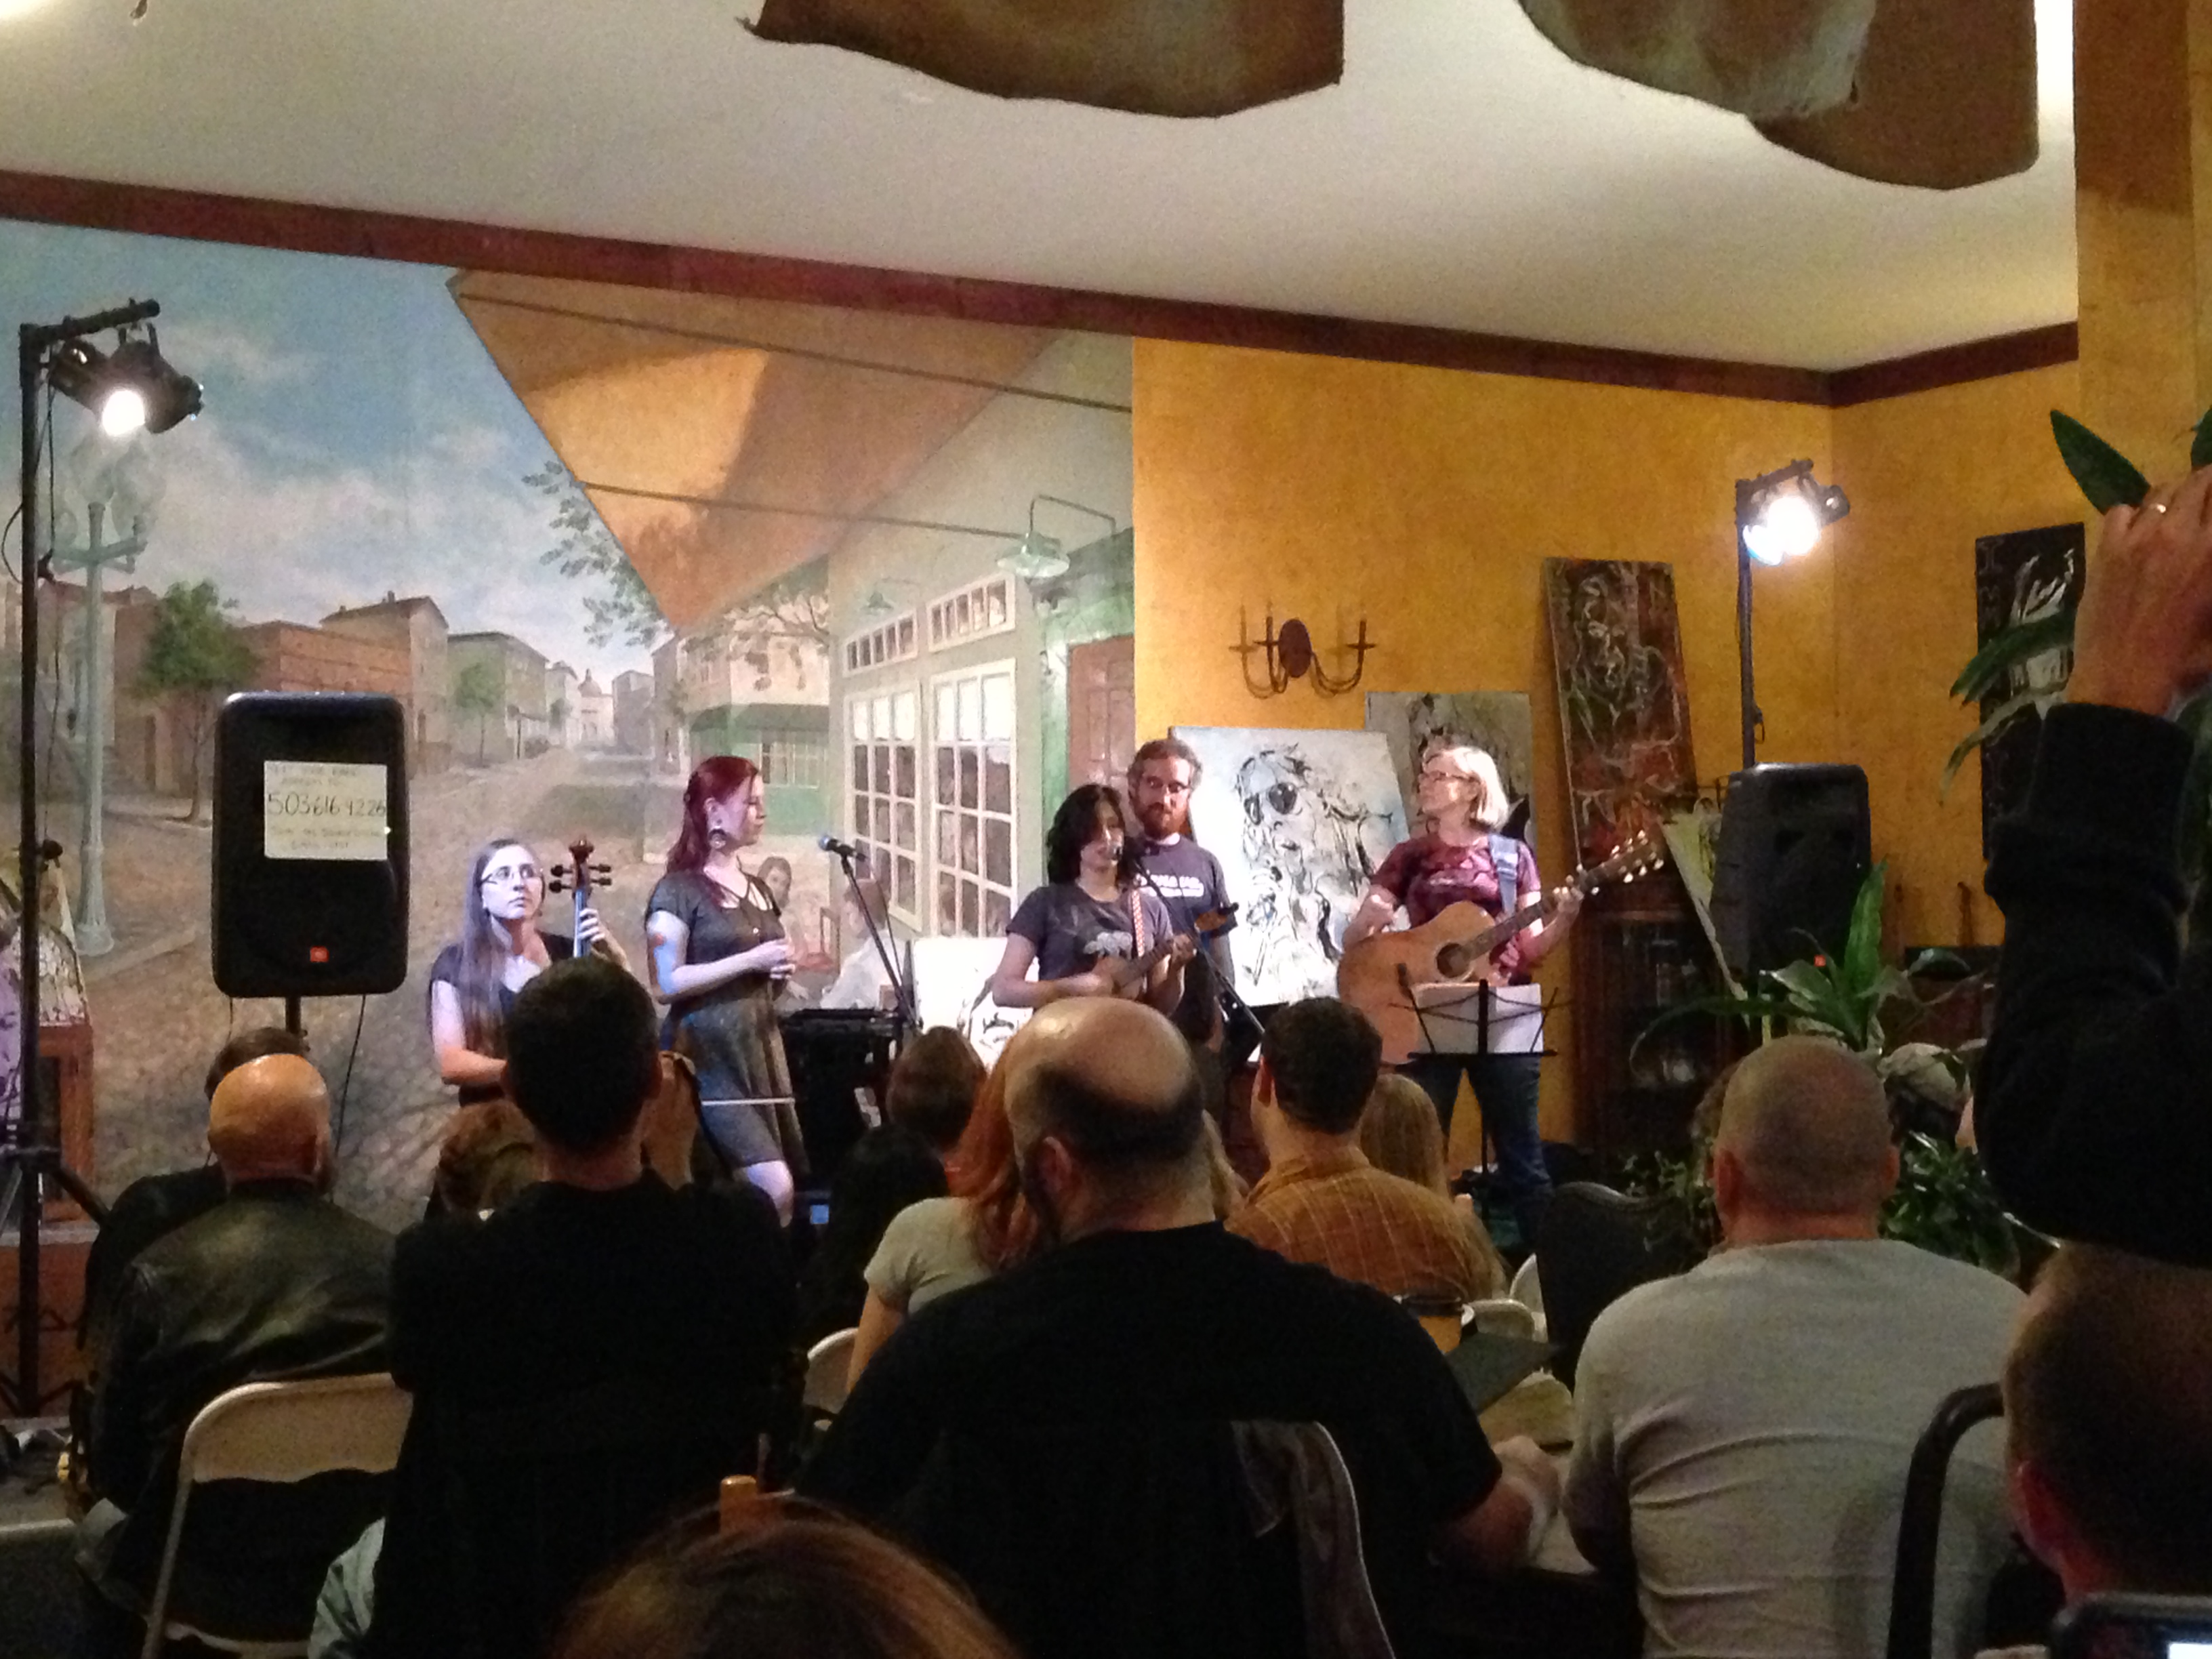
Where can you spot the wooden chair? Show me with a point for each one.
(275, 1434)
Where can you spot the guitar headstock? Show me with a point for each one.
(1639, 855)
(1213, 924)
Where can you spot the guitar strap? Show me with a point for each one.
(1139, 941)
(1505, 859)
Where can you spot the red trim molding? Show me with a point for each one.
(304, 228)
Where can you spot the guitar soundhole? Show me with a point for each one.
(1453, 962)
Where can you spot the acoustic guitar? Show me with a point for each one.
(1382, 974)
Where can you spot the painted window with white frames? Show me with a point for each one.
(972, 800)
(884, 794)
(980, 609)
(898, 639)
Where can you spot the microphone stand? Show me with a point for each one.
(900, 990)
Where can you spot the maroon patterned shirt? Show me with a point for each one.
(1429, 876)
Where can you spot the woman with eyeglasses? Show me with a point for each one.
(502, 948)
(1465, 857)
(1091, 931)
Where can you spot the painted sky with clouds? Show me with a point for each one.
(357, 439)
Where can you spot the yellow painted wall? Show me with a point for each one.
(1426, 500)
(1928, 474)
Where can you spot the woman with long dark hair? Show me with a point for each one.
(719, 955)
(502, 948)
(1088, 930)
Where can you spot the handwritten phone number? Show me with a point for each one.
(296, 803)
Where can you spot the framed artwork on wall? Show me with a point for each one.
(2019, 577)
(1623, 703)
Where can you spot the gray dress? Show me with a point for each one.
(730, 1033)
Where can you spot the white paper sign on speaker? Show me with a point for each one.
(323, 810)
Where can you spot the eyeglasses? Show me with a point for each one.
(1432, 776)
(525, 873)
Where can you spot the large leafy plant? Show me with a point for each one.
(1854, 997)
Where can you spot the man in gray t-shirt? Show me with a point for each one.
(1742, 1432)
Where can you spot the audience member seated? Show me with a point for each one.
(1321, 1200)
(1400, 1134)
(153, 1206)
(2093, 1100)
(941, 1245)
(786, 1581)
(274, 1282)
(1743, 1432)
(1037, 1410)
(2109, 1423)
(597, 1284)
(928, 1103)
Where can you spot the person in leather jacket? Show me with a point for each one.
(275, 1283)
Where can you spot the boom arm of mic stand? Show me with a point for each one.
(899, 989)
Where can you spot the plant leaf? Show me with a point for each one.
(2017, 704)
(1863, 945)
(2107, 477)
(2009, 646)
(2200, 446)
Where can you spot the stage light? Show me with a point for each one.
(1778, 515)
(134, 388)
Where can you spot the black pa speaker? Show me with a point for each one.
(1795, 844)
(310, 844)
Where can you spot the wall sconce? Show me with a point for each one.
(1290, 655)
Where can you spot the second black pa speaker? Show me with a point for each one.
(1795, 848)
(310, 888)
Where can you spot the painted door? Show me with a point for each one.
(1101, 711)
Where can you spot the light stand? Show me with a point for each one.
(33, 1160)
(1778, 515)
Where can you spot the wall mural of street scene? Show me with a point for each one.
(586, 536)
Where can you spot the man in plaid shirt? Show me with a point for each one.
(1322, 1200)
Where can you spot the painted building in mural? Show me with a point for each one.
(564, 719)
(595, 714)
(418, 627)
(756, 682)
(519, 672)
(634, 711)
(957, 663)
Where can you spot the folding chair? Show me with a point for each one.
(829, 1373)
(275, 1434)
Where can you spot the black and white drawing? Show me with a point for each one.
(951, 982)
(1299, 820)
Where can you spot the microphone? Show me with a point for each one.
(843, 849)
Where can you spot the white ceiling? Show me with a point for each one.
(1463, 174)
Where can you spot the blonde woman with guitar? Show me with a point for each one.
(1091, 931)
(1463, 859)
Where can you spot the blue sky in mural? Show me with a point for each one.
(357, 438)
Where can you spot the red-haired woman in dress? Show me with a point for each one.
(719, 954)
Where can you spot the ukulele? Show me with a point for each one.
(1381, 974)
(1126, 975)
(580, 876)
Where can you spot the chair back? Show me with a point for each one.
(829, 1373)
(279, 1434)
(2020, 1601)
(541, 1497)
(1596, 1245)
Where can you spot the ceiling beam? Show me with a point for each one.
(306, 227)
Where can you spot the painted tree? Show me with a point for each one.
(477, 691)
(624, 608)
(196, 655)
